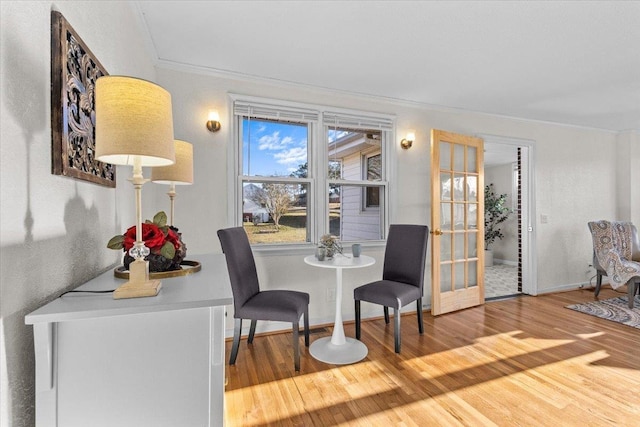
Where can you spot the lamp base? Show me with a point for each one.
(138, 289)
(139, 284)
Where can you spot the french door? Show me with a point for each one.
(457, 222)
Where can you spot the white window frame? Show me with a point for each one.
(318, 117)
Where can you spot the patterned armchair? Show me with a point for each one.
(616, 254)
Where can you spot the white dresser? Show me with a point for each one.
(156, 361)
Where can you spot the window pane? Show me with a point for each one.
(275, 212)
(445, 156)
(458, 242)
(472, 277)
(445, 247)
(471, 159)
(374, 168)
(335, 169)
(458, 187)
(459, 271)
(458, 158)
(347, 218)
(472, 188)
(445, 186)
(272, 148)
(445, 277)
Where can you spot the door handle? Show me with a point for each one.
(437, 232)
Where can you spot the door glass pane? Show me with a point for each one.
(473, 274)
(445, 277)
(445, 247)
(458, 187)
(445, 156)
(445, 186)
(458, 242)
(445, 216)
(459, 275)
(472, 188)
(458, 158)
(472, 241)
(471, 159)
(458, 216)
(472, 216)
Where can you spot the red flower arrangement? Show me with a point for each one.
(164, 242)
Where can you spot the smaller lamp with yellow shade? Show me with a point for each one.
(180, 173)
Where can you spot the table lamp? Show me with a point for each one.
(134, 126)
(180, 173)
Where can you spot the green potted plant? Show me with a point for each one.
(495, 213)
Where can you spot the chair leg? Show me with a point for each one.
(252, 331)
(396, 324)
(358, 319)
(306, 327)
(631, 292)
(236, 341)
(598, 283)
(296, 346)
(386, 314)
(419, 311)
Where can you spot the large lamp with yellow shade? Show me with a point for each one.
(134, 127)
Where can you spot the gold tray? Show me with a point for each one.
(194, 267)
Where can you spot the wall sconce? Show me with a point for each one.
(408, 140)
(214, 121)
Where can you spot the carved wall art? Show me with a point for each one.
(74, 71)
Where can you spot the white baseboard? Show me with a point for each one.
(562, 288)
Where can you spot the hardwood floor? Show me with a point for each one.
(522, 362)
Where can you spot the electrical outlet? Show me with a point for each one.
(331, 294)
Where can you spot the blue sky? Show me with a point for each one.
(275, 149)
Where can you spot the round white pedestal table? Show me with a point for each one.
(338, 349)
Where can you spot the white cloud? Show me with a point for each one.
(294, 156)
(270, 142)
(274, 142)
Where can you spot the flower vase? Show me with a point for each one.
(330, 253)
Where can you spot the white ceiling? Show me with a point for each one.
(568, 62)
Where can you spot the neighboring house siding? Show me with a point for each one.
(357, 223)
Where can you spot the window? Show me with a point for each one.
(373, 172)
(291, 188)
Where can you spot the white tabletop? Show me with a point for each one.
(341, 261)
(207, 288)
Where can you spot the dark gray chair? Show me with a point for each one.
(402, 276)
(251, 303)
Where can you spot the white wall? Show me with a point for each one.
(628, 177)
(565, 183)
(54, 229)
